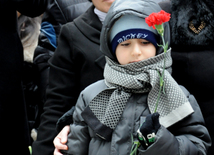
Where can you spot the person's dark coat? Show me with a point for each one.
(192, 53)
(76, 63)
(14, 129)
(28, 29)
(58, 13)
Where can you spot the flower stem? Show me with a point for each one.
(162, 75)
(135, 146)
(164, 44)
(156, 105)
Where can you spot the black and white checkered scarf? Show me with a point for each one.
(140, 77)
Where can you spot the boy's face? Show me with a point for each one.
(134, 50)
(103, 5)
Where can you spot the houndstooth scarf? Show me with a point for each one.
(140, 77)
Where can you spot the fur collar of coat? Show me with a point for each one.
(185, 11)
(29, 30)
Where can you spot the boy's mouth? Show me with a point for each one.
(134, 61)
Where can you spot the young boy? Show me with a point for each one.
(112, 112)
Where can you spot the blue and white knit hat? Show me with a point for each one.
(131, 27)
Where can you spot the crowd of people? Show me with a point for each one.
(62, 71)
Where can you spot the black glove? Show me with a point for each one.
(146, 133)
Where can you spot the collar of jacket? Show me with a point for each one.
(101, 130)
(90, 25)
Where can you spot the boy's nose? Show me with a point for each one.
(136, 51)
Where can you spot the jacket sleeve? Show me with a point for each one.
(188, 136)
(61, 94)
(78, 138)
(165, 143)
(66, 119)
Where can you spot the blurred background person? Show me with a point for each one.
(15, 128)
(193, 52)
(29, 30)
(58, 13)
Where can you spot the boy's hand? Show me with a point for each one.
(146, 133)
(61, 140)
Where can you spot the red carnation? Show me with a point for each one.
(157, 18)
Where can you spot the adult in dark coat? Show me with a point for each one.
(193, 52)
(58, 13)
(76, 63)
(13, 119)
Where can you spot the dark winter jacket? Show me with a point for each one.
(188, 136)
(192, 53)
(11, 61)
(58, 13)
(77, 62)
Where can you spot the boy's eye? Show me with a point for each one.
(125, 44)
(145, 42)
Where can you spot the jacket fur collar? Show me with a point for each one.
(185, 11)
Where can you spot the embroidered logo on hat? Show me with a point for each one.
(133, 34)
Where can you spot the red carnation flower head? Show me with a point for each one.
(157, 18)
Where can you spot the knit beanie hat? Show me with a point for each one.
(131, 27)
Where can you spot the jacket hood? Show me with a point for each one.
(139, 8)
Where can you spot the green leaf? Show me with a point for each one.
(166, 47)
(135, 145)
(160, 45)
(163, 88)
